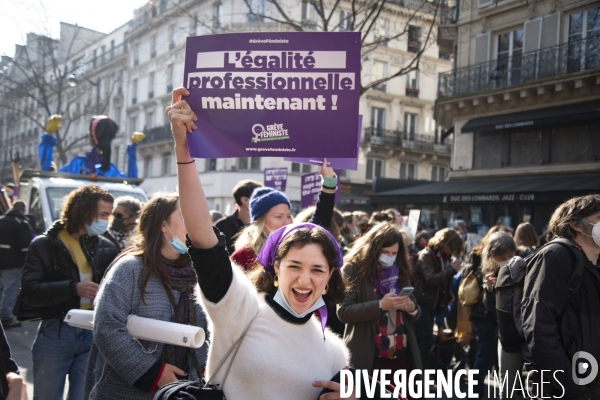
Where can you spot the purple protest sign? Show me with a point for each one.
(344, 163)
(310, 187)
(273, 94)
(276, 178)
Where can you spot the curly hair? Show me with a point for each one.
(81, 206)
(263, 279)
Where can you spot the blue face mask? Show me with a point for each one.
(176, 244)
(280, 299)
(97, 227)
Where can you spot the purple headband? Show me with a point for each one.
(267, 254)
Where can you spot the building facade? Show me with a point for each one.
(523, 102)
(129, 75)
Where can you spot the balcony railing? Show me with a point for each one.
(567, 58)
(86, 65)
(405, 140)
(158, 134)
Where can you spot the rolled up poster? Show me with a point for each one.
(165, 332)
(83, 319)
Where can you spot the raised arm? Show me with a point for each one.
(326, 202)
(194, 206)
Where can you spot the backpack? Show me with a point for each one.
(509, 293)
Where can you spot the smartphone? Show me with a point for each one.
(407, 291)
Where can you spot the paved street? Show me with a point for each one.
(20, 340)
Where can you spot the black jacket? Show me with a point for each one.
(230, 226)
(557, 325)
(15, 236)
(432, 288)
(50, 275)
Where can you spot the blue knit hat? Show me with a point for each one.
(265, 198)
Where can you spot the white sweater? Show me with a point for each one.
(277, 359)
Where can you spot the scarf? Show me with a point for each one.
(183, 280)
(120, 238)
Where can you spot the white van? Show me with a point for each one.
(43, 192)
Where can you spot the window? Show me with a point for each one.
(438, 173)
(115, 156)
(117, 116)
(345, 21)
(151, 85)
(148, 167)
(382, 28)
(217, 14)
(378, 121)
(249, 163)
(407, 171)
(171, 37)
(412, 84)
(169, 78)
(510, 54)
(410, 125)
(136, 54)
(133, 124)
(374, 168)
(134, 89)
(167, 161)
(379, 72)
(257, 10)
(309, 14)
(153, 46)
(525, 148)
(150, 120)
(574, 144)
(584, 40)
(414, 39)
(296, 167)
(489, 150)
(194, 25)
(211, 164)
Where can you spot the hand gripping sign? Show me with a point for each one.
(274, 94)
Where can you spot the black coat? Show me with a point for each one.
(230, 226)
(50, 275)
(557, 325)
(15, 237)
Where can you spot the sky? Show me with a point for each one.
(17, 18)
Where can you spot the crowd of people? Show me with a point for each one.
(287, 302)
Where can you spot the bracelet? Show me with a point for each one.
(183, 163)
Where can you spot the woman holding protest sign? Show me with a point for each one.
(280, 346)
(270, 209)
(153, 279)
(378, 315)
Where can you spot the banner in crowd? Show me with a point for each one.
(310, 187)
(343, 163)
(276, 178)
(274, 94)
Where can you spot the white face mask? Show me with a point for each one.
(387, 261)
(595, 233)
(279, 298)
(502, 263)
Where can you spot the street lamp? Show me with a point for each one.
(72, 81)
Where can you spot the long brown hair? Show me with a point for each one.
(148, 240)
(263, 280)
(446, 237)
(366, 251)
(494, 229)
(525, 235)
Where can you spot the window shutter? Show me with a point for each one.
(550, 30)
(485, 3)
(482, 48)
(532, 35)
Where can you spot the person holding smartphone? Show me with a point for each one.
(380, 308)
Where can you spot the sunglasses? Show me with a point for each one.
(120, 216)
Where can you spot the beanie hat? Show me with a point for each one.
(265, 198)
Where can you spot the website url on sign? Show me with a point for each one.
(269, 41)
(283, 149)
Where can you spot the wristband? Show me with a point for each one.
(330, 182)
(188, 162)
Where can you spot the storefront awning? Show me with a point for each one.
(501, 190)
(543, 116)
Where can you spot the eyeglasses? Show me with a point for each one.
(120, 216)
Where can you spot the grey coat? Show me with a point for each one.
(359, 311)
(116, 360)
